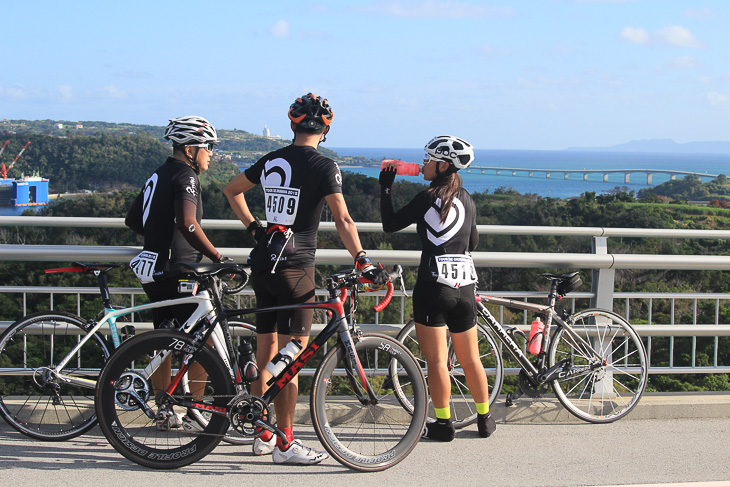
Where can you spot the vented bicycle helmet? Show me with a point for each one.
(190, 130)
(458, 152)
(311, 112)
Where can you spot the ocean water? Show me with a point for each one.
(556, 186)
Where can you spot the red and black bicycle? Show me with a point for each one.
(357, 412)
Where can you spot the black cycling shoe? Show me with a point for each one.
(439, 431)
(486, 425)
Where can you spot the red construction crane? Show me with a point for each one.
(3, 170)
(4, 145)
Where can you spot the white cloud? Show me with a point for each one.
(280, 29)
(635, 35)
(699, 13)
(676, 35)
(673, 35)
(716, 99)
(437, 9)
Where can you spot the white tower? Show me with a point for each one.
(266, 131)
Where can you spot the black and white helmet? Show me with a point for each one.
(458, 152)
(190, 130)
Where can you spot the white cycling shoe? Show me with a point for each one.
(168, 421)
(261, 447)
(298, 454)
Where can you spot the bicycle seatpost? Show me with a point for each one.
(106, 297)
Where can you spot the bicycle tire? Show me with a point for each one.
(609, 392)
(201, 418)
(463, 410)
(368, 437)
(32, 401)
(130, 431)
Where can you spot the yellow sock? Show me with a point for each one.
(443, 413)
(482, 407)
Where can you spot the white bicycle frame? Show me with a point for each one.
(204, 310)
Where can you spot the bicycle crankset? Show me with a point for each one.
(529, 389)
(246, 413)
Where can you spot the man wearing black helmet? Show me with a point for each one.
(297, 181)
(168, 212)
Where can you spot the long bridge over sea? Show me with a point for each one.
(566, 173)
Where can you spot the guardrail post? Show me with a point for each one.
(602, 288)
(603, 279)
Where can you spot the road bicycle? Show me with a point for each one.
(594, 360)
(353, 405)
(49, 360)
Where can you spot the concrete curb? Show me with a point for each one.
(548, 410)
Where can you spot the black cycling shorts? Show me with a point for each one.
(435, 304)
(168, 289)
(286, 286)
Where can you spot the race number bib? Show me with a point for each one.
(143, 265)
(281, 204)
(455, 270)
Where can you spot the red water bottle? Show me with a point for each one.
(403, 168)
(534, 343)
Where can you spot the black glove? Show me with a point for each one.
(375, 274)
(387, 177)
(257, 229)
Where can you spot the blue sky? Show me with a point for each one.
(529, 74)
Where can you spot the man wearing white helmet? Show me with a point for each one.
(167, 213)
(444, 294)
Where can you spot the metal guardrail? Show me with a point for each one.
(700, 327)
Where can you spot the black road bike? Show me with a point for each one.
(594, 360)
(357, 412)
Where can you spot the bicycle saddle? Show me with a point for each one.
(209, 269)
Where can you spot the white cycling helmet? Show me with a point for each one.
(458, 152)
(190, 130)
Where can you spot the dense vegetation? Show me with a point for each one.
(119, 164)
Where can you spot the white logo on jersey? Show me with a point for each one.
(338, 176)
(277, 172)
(191, 188)
(149, 191)
(440, 233)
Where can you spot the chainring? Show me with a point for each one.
(529, 389)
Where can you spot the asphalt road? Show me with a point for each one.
(519, 454)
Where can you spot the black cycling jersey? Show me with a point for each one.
(457, 235)
(172, 181)
(295, 180)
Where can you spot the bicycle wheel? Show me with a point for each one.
(200, 418)
(463, 410)
(602, 382)
(32, 399)
(125, 391)
(368, 437)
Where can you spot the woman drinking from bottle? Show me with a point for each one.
(444, 294)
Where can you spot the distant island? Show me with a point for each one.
(662, 145)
